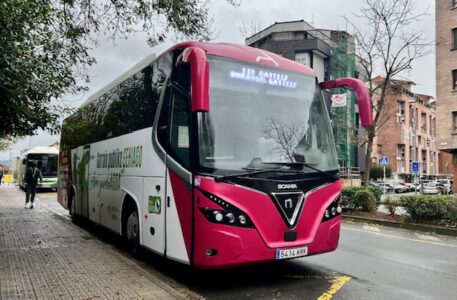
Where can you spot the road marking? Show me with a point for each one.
(308, 277)
(337, 284)
(403, 238)
(428, 237)
(371, 228)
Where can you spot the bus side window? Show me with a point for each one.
(179, 129)
(162, 124)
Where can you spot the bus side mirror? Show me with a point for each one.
(362, 96)
(199, 73)
(24, 161)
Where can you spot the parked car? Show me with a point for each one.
(431, 188)
(409, 187)
(398, 188)
(389, 188)
(446, 185)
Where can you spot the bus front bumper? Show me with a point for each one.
(219, 246)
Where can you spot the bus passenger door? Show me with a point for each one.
(81, 180)
(179, 192)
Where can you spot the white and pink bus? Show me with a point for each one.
(213, 155)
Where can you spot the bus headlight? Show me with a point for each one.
(227, 215)
(333, 210)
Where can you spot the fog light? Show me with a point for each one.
(333, 211)
(218, 216)
(339, 209)
(327, 213)
(230, 217)
(211, 252)
(242, 219)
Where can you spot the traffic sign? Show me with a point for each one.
(415, 166)
(384, 161)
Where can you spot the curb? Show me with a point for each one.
(411, 226)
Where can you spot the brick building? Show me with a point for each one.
(408, 131)
(446, 79)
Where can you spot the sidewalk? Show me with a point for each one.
(43, 256)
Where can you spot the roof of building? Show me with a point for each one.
(290, 26)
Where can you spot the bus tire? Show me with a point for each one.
(72, 207)
(131, 227)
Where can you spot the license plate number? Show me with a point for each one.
(290, 253)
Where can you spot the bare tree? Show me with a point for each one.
(387, 46)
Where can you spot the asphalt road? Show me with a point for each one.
(372, 262)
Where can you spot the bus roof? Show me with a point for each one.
(248, 54)
(235, 51)
(41, 150)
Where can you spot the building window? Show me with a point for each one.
(454, 79)
(430, 125)
(379, 148)
(454, 120)
(454, 38)
(400, 111)
(401, 152)
(424, 121)
(303, 58)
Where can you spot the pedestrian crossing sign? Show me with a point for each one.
(384, 161)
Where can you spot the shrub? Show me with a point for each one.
(349, 201)
(377, 192)
(391, 205)
(365, 200)
(358, 198)
(440, 208)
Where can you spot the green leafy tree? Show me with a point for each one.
(377, 171)
(44, 49)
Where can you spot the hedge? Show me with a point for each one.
(439, 208)
(358, 198)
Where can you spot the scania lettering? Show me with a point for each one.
(213, 155)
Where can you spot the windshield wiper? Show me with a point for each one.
(253, 171)
(309, 166)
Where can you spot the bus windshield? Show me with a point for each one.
(47, 163)
(262, 118)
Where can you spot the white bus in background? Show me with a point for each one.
(46, 159)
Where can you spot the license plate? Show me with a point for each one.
(290, 253)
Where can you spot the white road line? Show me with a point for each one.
(427, 237)
(371, 228)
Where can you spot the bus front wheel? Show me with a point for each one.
(72, 207)
(132, 231)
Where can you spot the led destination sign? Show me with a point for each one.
(263, 77)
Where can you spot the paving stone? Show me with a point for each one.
(43, 256)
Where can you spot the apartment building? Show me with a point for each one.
(446, 79)
(408, 130)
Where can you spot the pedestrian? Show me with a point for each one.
(1, 175)
(31, 180)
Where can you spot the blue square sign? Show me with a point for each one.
(415, 167)
(384, 161)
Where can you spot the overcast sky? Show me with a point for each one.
(113, 60)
